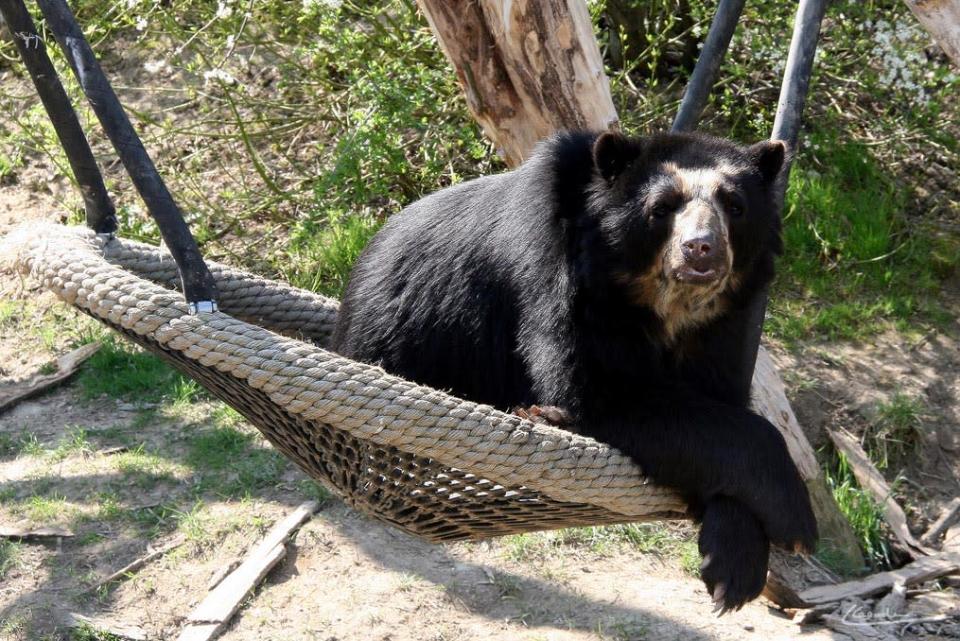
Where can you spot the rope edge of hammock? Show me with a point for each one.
(320, 385)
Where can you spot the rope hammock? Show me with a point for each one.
(434, 465)
(422, 460)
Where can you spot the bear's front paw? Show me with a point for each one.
(735, 553)
(788, 515)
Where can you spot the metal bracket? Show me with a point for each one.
(202, 307)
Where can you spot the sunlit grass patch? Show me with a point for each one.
(895, 431)
(853, 263)
(45, 510)
(143, 469)
(124, 371)
(862, 511)
(667, 539)
(232, 463)
(321, 255)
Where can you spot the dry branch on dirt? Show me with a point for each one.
(870, 479)
(67, 366)
(212, 615)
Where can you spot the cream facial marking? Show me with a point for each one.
(686, 285)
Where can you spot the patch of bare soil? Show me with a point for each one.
(846, 386)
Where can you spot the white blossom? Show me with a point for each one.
(212, 75)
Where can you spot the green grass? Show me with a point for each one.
(862, 511)
(9, 556)
(143, 469)
(123, 371)
(231, 463)
(649, 538)
(30, 446)
(47, 509)
(75, 441)
(895, 432)
(854, 264)
(321, 257)
(86, 632)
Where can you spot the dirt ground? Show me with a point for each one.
(346, 576)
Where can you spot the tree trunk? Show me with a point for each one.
(530, 68)
(941, 18)
(527, 68)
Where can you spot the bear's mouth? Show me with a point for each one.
(690, 275)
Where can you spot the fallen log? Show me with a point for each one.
(923, 569)
(870, 479)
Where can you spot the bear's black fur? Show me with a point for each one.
(611, 277)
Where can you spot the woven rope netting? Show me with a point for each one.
(434, 465)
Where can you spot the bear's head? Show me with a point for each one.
(690, 224)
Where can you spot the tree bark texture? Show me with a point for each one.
(941, 18)
(527, 67)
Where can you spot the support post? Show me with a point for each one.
(708, 64)
(101, 214)
(786, 124)
(199, 288)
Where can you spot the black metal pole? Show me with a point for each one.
(101, 215)
(708, 63)
(796, 78)
(198, 285)
(786, 125)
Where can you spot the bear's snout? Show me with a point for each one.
(704, 258)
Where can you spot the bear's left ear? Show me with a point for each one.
(612, 152)
(769, 156)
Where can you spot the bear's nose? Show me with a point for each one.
(699, 247)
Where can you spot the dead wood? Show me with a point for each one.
(33, 534)
(923, 569)
(136, 564)
(870, 479)
(947, 518)
(212, 615)
(67, 365)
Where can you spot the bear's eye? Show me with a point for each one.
(732, 203)
(663, 207)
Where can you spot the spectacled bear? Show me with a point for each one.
(611, 277)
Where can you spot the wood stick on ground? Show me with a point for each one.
(872, 481)
(950, 515)
(856, 631)
(33, 534)
(894, 604)
(924, 569)
(136, 564)
(67, 365)
(212, 615)
(118, 630)
(951, 540)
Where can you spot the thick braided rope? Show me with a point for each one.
(361, 399)
(258, 300)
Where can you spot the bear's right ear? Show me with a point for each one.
(612, 152)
